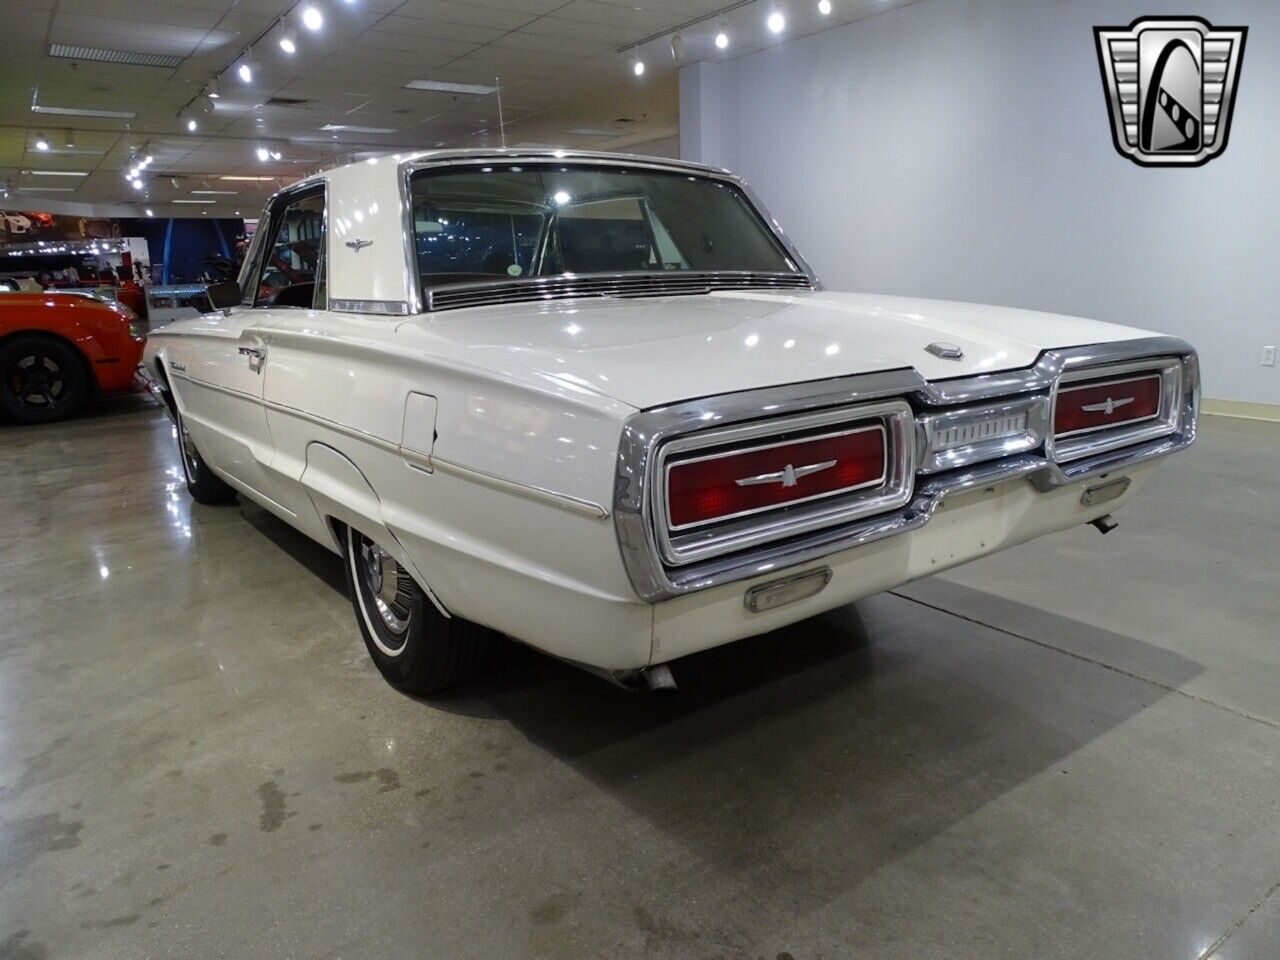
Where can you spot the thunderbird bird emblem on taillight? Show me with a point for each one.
(1108, 406)
(787, 476)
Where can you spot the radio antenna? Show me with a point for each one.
(502, 127)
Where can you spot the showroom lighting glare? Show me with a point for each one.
(42, 143)
(776, 22)
(263, 154)
(824, 7)
(192, 124)
(137, 184)
(637, 65)
(288, 42)
(312, 18)
(246, 68)
(150, 212)
(722, 40)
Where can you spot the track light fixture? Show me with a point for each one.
(677, 47)
(42, 142)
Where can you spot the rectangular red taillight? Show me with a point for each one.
(718, 486)
(1093, 406)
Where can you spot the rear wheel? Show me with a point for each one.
(42, 379)
(415, 647)
(202, 483)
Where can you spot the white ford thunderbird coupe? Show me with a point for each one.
(601, 404)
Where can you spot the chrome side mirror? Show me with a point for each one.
(225, 294)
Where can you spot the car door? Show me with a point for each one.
(227, 366)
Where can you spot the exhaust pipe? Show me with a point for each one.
(660, 680)
(1105, 524)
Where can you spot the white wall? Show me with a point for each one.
(962, 149)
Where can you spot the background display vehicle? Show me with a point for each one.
(602, 405)
(59, 349)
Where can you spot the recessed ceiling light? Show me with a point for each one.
(777, 22)
(446, 86)
(824, 7)
(53, 173)
(69, 51)
(312, 18)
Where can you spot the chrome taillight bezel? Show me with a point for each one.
(1066, 447)
(684, 545)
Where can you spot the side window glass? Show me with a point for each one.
(292, 256)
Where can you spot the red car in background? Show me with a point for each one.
(58, 349)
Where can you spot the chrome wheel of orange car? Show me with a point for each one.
(42, 379)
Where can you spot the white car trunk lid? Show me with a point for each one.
(650, 352)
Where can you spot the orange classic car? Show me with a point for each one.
(58, 349)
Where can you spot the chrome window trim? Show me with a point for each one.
(646, 431)
(689, 545)
(381, 308)
(1092, 442)
(668, 467)
(418, 296)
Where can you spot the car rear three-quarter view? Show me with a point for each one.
(602, 405)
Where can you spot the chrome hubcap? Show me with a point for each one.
(389, 585)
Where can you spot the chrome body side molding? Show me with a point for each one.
(1031, 390)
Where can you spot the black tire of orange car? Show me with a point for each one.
(203, 484)
(431, 652)
(42, 378)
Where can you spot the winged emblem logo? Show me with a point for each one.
(1108, 406)
(788, 476)
(1170, 84)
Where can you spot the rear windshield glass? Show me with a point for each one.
(509, 221)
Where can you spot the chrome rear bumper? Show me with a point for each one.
(644, 434)
(143, 380)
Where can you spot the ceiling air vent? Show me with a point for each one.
(100, 55)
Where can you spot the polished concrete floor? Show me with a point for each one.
(1069, 750)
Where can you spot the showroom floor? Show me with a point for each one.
(1068, 750)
